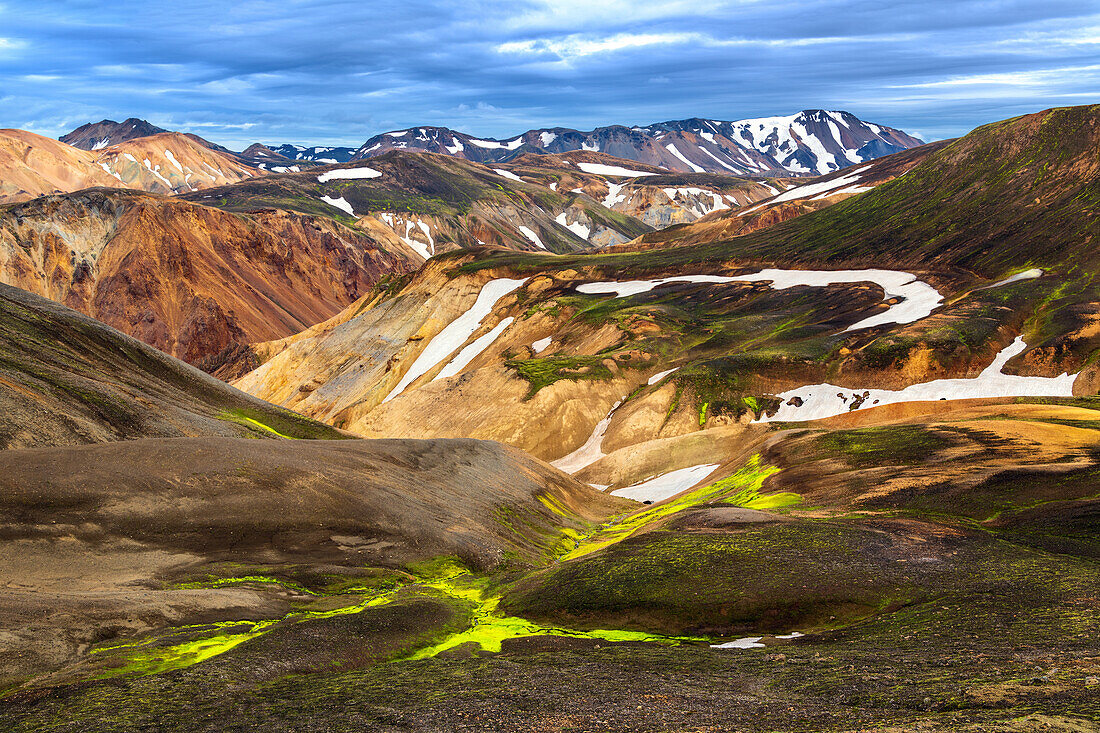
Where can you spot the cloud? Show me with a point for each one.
(577, 45)
(339, 71)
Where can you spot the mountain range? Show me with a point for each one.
(811, 142)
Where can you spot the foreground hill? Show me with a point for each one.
(104, 519)
(435, 203)
(810, 142)
(68, 380)
(193, 281)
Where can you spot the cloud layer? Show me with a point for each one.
(337, 72)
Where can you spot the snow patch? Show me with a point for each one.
(600, 169)
(672, 149)
(456, 332)
(507, 174)
(340, 203)
(576, 227)
(532, 236)
(348, 173)
(541, 345)
(666, 485)
(826, 400)
(919, 299)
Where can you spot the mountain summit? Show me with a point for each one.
(98, 135)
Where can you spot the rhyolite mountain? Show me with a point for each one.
(962, 217)
(166, 162)
(431, 203)
(811, 142)
(194, 281)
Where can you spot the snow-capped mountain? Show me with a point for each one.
(317, 153)
(812, 142)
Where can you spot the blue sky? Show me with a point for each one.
(338, 72)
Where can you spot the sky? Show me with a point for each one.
(336, 73)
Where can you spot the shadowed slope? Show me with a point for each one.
(68, 379)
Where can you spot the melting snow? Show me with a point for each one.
(672, 149)
(532, 236)
(826, 400)
(464, 357)
(541, 345)
(107, 168)
(547, 137)
(666, 485)
(456, 332)
(600, 169)
(1025, 275)
(659, 376)
(348, 173)
(919, 298)
(172, 160)
(576, 227)
(748, 642)
(507, 174)
(591, 451)
(507, 145)
(813, 189)
(340, 203)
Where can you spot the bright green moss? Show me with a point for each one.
(742, 489)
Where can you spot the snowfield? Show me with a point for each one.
(919, 298)
(826, 400)
(348, 173)
(599, 169)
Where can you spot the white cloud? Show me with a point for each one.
(578, 45)
(1032, 78)
(561, 14)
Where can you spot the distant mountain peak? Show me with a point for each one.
(808, 142)
(98, 135)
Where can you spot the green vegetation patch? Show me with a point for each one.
(741, 489)
(887, 445)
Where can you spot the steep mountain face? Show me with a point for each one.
(102, 134)
(70, 380)
(193, 281)
(798, 197)
(812, 142)
(170, 163)
(647, 193)
(430, 204)
(32, 165)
